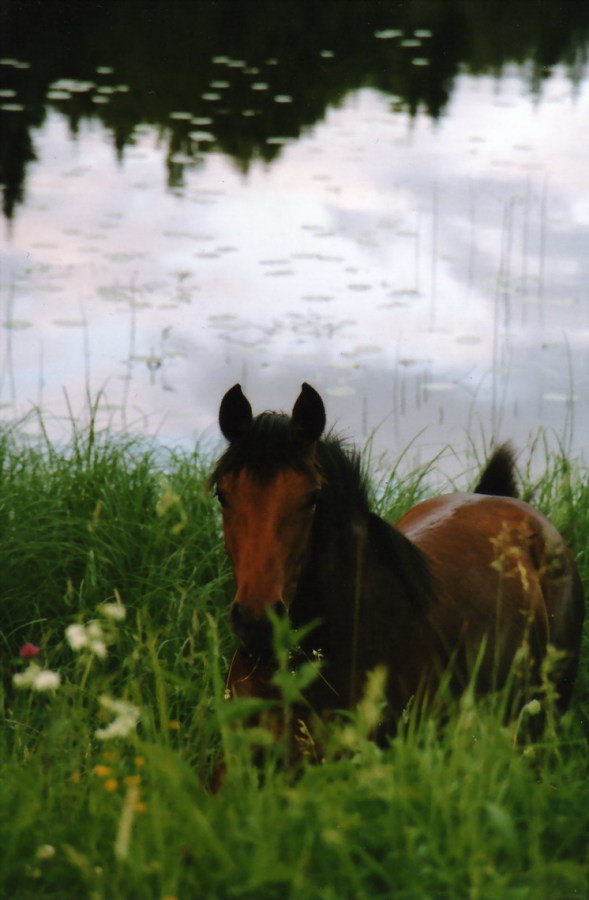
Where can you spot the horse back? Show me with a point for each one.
(502, 573)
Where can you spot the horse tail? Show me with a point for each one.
(498, 476)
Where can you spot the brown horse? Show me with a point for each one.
(462, 579)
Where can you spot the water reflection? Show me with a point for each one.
(422, 274)
(242, 77)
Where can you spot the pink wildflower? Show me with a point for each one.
(28, 651)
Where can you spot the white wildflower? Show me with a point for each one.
(114, 611)
(37, 678)
(76, 637)
(47, 681)
(45, 851)
(533, 708)
(25, 679)
(126, 719)
(87, 637)
(96, 642)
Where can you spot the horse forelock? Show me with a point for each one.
(270, 446)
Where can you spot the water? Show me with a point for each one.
(424, 268)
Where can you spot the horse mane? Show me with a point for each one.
(347, 491)
(409, 563)
(346, 485)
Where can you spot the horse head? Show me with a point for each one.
(268, 485)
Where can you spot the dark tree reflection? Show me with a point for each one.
(239, 75)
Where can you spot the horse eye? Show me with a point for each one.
(222, 498)
(312, 499)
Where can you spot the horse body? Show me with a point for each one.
(461, 580)
(503, 575)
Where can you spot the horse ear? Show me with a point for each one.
(308, 414)
(235, 414)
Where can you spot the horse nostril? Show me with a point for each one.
(279, 609)
(241, 617)
(254, 632)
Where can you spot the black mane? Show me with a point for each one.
(346, 498)
(346, 488)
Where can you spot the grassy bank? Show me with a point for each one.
(106, 752)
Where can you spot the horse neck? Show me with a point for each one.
(330, 580)
(358, 566)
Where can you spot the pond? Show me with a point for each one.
(386, 200)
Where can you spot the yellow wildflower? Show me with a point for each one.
(133, 780)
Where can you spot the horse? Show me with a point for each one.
(458, 585)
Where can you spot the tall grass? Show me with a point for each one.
(467, 810)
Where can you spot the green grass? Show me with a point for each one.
(464, 811)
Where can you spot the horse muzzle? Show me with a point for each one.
(254, 631)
